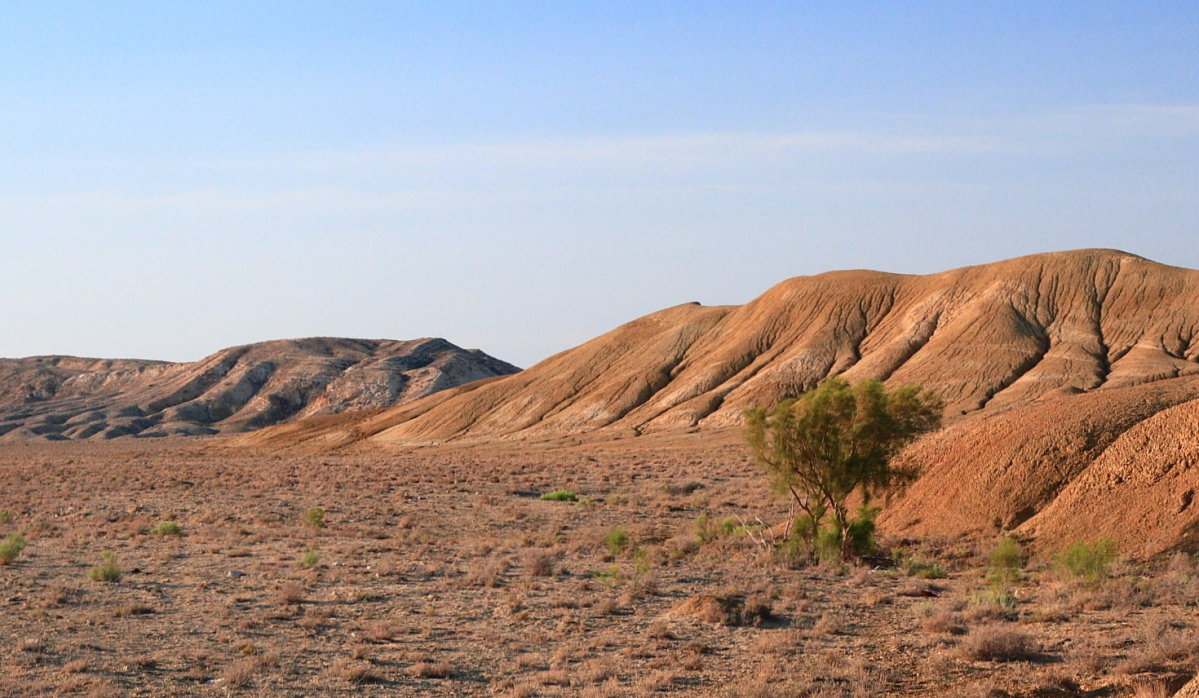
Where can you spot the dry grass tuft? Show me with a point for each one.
(432, 670)
(725, 610)
(353, 671)
(999, 644)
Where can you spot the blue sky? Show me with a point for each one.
(520, 177)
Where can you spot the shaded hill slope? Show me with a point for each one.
(237, 389)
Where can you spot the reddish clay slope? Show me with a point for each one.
(1076, 467)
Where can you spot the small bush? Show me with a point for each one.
(432, 670)
(540, 563)
(314, 518)
(11, 547)
(617, 541)
(921, 568)
(167, 528)
(1005, 563)
(860, 532)
(560, 495)
(107, 570)
(290, 593)
(6, 516)
(310, 559)
(1000, 597)
(708, 529)
(1090, 562)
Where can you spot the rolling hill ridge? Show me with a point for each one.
(237, 389)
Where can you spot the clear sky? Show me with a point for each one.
(520, 177)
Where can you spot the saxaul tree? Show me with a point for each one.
(836, 440)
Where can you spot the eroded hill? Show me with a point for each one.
(236, 389)
(984, 337)
(1071, 382)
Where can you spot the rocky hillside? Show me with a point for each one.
(237, 389)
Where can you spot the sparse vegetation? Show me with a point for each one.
(107, 570)
(167, 528)
(560, 495)
(834, 441)
(431, 577)
(310, 559)
(920, 567)
(11, 548)
(708, 529)
(617, 541)
(1005, 563)
(314, 518)
(999, 644)
(1089, 562)
(6, 516)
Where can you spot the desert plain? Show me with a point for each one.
(442, 571)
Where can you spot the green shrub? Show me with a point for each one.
(560, 495)
(708, 529)
(1000, 602)
(861, 531)
(11, 547)
(617, 541)
(314, 518)
(610, 576)
(641, 562)
(921, 568)
(828, 544)
(6, 516)
(1005, 563)
(310, 559)
(167, 528)
(107, 570)
(1090, 562)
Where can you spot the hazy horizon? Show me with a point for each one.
(522, 179)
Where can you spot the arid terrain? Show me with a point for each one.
(594, 526)
(442, 572)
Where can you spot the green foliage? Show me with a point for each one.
(1005, 564)
(835, 440)
(11, 547)
(314, 518)
(827, 545)
(310, 559)
(167, 528)
(708, 529)
(860, 533)
(6, 516)
(641, 562)
(1090, 562)
(610, 576)
(1001, 599)
(107, 570)
(918, 566)
(560, 495)
(616, 541)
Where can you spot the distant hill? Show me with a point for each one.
(237, 389)
(1071, 381)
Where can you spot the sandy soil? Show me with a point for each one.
(442, 572)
